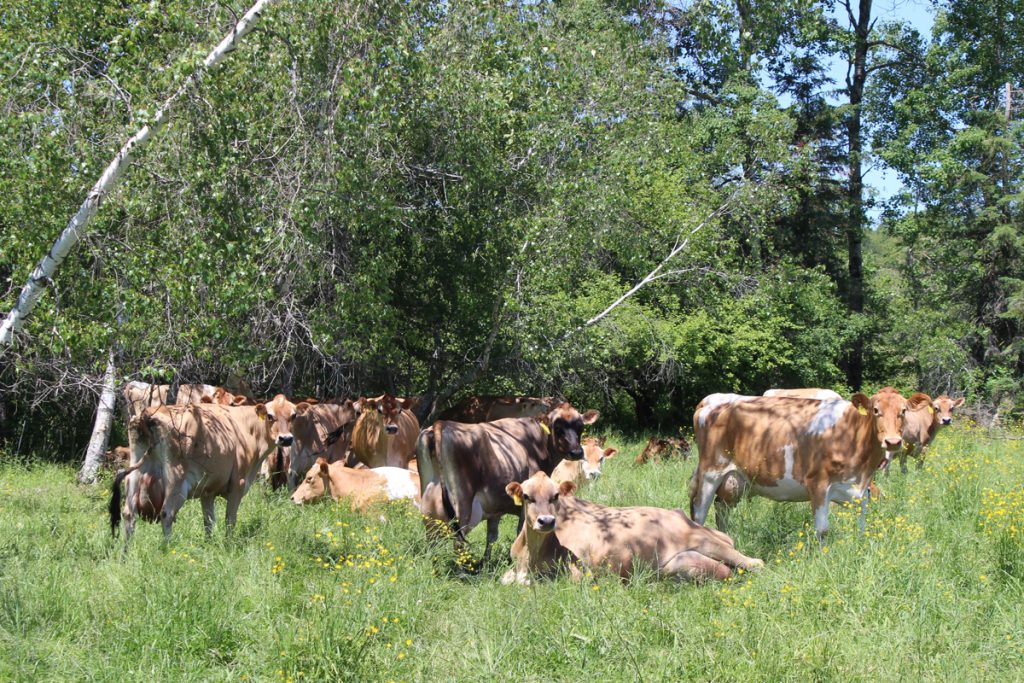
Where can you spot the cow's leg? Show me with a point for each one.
(130, 510)
(861, 521)
(208, 509)
(693, 565)
(920, 459)
(723, 552)
(903, 458)
(493, 525)
(819, 504)
(234, 498)
(177, 494)
(702, 493)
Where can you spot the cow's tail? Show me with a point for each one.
(426, 449)
(115, 498)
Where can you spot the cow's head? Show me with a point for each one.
(887, 408)
(316, 484)
(279, 412)
(594, 456)
(387, 407)
(539, 497)
(565, 426)
(944, 406)
(528, 406)
(316, 431)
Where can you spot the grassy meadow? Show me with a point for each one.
(932, 591)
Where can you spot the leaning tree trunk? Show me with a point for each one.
(108, 181)
(101, 429)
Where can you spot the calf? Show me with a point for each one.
(560, 529)
(581, 472)
(364, 486)
(198, 451)
(658, 448)
(792, 449)
(473, 462)
(385, 432)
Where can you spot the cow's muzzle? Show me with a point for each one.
(285, 440)
(391, 429)
(575, 454)
(545, 523)
(946, 421)
(893, 443)
(593, 475)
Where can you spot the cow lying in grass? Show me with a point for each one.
(363, 486)
(562, 530)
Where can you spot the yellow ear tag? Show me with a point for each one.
(862, 410)
(931, 410)
(517, 500)
(547, 430)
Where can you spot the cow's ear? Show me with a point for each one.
(311, 401)
(206, 399)
(515, 492)
(301, 408)
(919, 400)
(959, 402)
(862, 403)
(544, 422)
(240, 401)
(261, 411)
(610, 452)
(406, 403)
(566, 488)
(590, 417)
(322, 464)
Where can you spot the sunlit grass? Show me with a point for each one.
(931, 591)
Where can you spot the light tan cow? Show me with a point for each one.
(474, 462)
(320, 430)
(792, 449)
(819, 394)
(139, 395)
(560, 529)
(197, 451)
(476, 409)
(364, 486)
(582, 472)
(385, 432)
(923, 420)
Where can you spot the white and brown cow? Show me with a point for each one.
(385, 432)
(562, 530)
(197, 451)
(582, 472)
(363, 487)
(474, 462)
(792, 449)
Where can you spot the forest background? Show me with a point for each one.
(439, 198)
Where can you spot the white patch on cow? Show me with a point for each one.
(397, 482)
(821, 519)
(714, 400)
(827, 395)
(828, 416)
(787, 488)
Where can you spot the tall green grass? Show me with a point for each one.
(932, 591)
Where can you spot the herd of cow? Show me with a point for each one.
(488, 457)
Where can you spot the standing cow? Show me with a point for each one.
(385, 432)
(792, 449)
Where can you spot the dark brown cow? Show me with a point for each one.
(659, 448)
(476, 409)
(792, 449)
(474, 462)
(320, 430)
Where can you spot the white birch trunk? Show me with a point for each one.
(108, 181)
(101, 429)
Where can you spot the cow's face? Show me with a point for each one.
(312, 437)
(593, 458)
(944, 407)
(565, 424)
(279, 412)
(887, 408)
(315, 485)
(527, 406)
(388, 408)
(539, 497)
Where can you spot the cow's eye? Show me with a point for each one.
(293, 416)
(271, 415)
(526, 498)
(554, 498)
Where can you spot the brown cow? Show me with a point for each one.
(385, 432)
(474, 462)
(923, 420)
(560, 529)
(819, 394)
(140, 395)
(476, 409)
(792, 449)
(323, 429)
(197, 451)
(581, 472)
(658, 448)
(364, 487)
